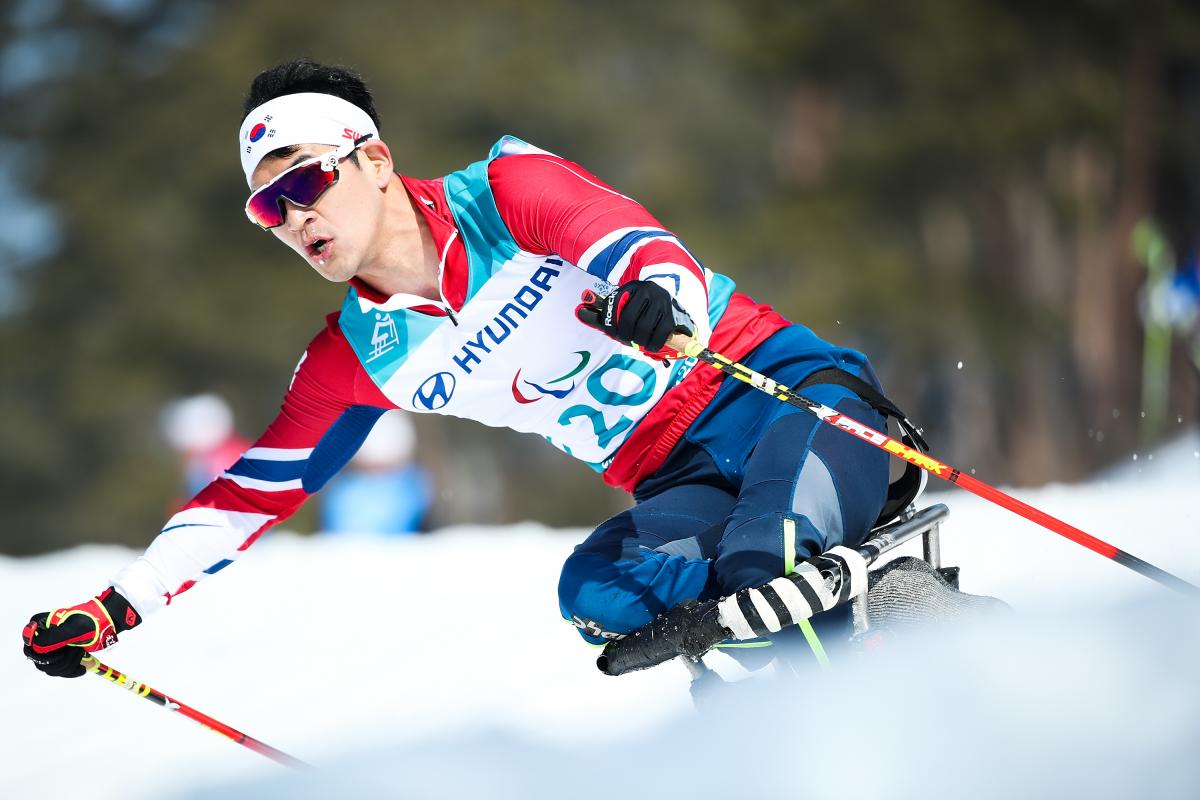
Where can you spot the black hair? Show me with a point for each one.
(305, 75)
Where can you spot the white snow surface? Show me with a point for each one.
(438, 667)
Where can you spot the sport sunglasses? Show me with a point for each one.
(301, 185)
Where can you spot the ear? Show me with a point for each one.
(377, 162)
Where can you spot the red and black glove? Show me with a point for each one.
(55, 641)
(639, 313)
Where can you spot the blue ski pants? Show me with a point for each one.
(754, 486)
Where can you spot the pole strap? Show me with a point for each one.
(904, 490)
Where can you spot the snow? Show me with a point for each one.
(439, 667)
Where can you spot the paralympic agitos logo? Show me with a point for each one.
(553, 387)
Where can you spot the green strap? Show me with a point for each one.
(814, 642)
(789, 565)
(789, 545)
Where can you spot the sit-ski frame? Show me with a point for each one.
(912, 523)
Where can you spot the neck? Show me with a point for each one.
(408, 259)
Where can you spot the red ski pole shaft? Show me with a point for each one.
(693, 349)
(92, 664)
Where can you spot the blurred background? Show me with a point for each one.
(998, 201)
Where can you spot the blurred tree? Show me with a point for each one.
(935, 182)
(981, 166)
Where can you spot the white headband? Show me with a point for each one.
(305, 118)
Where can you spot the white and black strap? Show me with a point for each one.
(818, 585)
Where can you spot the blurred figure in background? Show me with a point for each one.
(382, 490)
(200, 429)
(1184, 302)
(1169, 307)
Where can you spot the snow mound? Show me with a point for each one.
(439, 667)
(1075, 705)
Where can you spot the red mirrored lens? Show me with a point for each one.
(301, 186)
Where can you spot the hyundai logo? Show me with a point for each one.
(435, 392)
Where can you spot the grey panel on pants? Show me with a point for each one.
(816, 498)
(688, 548)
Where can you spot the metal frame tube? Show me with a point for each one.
(932, 546)
(889, 537)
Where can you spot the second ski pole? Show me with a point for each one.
(693, 349)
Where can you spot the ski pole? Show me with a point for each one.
(94, 666)
(693, 349)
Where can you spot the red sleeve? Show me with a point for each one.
(278, 474)
(328, 409)
(552, 205)
(328, 379)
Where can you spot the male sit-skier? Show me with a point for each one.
(467, 297)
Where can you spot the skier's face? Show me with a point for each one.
(337, 234)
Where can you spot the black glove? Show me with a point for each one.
(639, 313)
(56, 641)
(689, 629)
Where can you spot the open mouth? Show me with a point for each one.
(319, 248)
